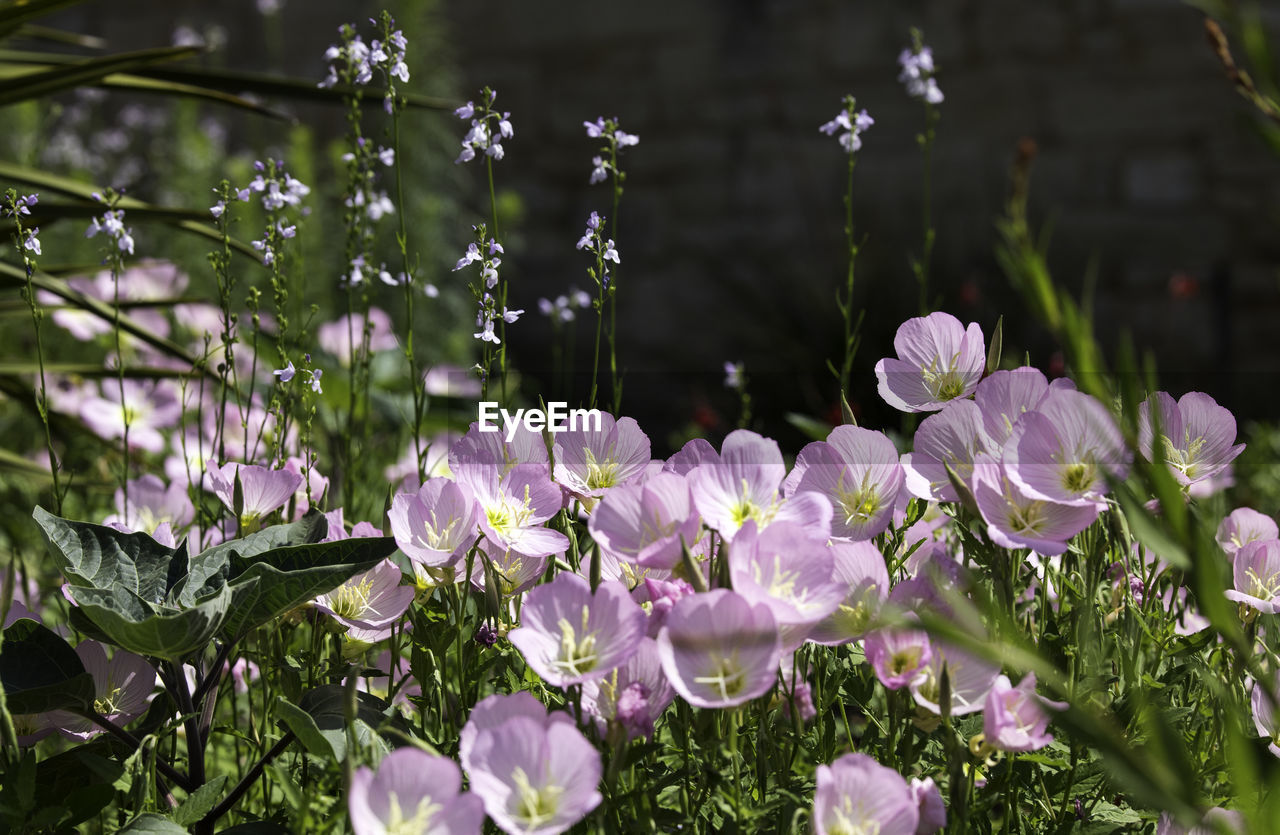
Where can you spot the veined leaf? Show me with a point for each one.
(276, 581)
(130, 622)
(39, 671)
(152, 824)
(104, 558)
(210, 568)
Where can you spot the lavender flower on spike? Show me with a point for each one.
(435, 526)
(412, 791)
(939, 360)
(849, 124)
(590, 461)
(743, 484)
(1257, 576)
(1063, 451)
(1197, 436)
(1244, 525)
(718, 650)
(861, 568)
(1016, 520)
(535, 778)
(1014, 718)
(646, 523)
(951, 438)
(631, 697)
(569, 635)
(856, 794)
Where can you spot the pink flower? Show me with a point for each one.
(897, 656)
(857, 794)
(151, 503)
(1005, 396)
(1264, 715)
(718, 650)
(569, 635)
(951, 438)
(860, 567)
(369, 604)
(336, 338)
(148, 406)
(262, 490)
(1017, 520)
(938, 360)
(412, 791)
(1242, 526)
(971, 679)
(787, 572)
(436, 525)
(645, 523)
(1212, 823)
(632, 696)
(1014, 718)
(933, 814)
(492, 711)
(1063, 451)
(743, 484)
(122, 687)
(514, 504)
(857, 471)
(1257, 576)
(1196, 435)
(590, 461)
(535, 778)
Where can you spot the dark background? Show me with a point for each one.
(1151, 174)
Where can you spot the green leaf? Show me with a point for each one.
(13, 15)
(131, 622)
(210, 568)
(39, 671)
(276, 581)
(78, 780)
(319, 719)
(153, 824)
(42, 83)
(105, 558)
(200, 802)
(815, 429)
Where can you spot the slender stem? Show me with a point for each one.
(42, 398)
(402, 238)
(178, 778)
(246, 782)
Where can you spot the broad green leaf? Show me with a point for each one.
(105, 558)
(39, 671)
(210, 568)
(130, 622)
(319, 719)
(79, 780)
(41, 83)
(276, 581)
(153, 824)
(200, 802)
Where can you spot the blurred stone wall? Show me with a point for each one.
(1151, 174)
